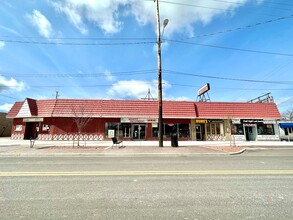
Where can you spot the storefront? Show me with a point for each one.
(147, 128)
(209, 129)
(137, 120)
(254, 129)
(286, 130)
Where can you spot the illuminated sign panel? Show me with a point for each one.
(203, 89)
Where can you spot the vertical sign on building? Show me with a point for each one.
(111, 133)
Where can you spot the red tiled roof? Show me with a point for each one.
(237, 110)
(143, 108)
(14, 110)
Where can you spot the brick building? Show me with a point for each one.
(55, 119)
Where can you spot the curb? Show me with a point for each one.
(123, 154)
(238, 152)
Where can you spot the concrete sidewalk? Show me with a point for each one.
(10, 147)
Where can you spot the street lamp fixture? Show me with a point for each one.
(160, 98)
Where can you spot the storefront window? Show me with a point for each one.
(125, 130)
(288, 131)
(208, 129)
(18, 128)
(168, 129)
(155, 130)
(215, 129)
(184, 130)
(265, 129)
(237, 129)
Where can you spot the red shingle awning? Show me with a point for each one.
(148, 109)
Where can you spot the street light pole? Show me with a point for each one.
(160, 98)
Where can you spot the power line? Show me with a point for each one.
(288, 100)
(123, 73)
(147, 72)
(231, 48)
(214, 8)
(172, 84)
(84, 38)
(257, 1)
(7, 95)
(242, 28)
(133, 43)
(76, 44)
(232, 88)
(3, 38)
(231, 79)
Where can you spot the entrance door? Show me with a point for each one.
(138, 132)
(31, 130)
(198, 132)
(250, 132)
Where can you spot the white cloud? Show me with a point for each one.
(5, 107)
(184, 15)
(2, 44)
(109, 76)
(11, 83)
(102, 13)
(107, 14)
(43, 25)
(136, 89)
(131, 89)
(180, 98)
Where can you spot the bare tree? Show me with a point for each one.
(80, 119)
(288, 115)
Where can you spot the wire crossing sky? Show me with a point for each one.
(106, 49)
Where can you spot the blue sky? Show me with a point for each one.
(105, 49)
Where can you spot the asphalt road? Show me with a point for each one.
(254, 185)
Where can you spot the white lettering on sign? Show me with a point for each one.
(139, 120)
(33, 119)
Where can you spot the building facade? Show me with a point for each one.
(72, 119)
(286, 130)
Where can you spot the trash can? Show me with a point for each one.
(174, 140)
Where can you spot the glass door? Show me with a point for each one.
(138, 132)
(198, 132)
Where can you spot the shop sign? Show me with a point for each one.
(251, 121)
(269, 122)
(201, 121)
(139, 120)
(236, 121)
(111, 133)
(203, 89)
(33, 119)
(215, 121)
(249, 125)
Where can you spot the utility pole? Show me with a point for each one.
(160, 101)
(57, 95)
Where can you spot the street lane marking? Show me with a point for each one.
(149, 173)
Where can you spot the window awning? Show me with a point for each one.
(286, 125)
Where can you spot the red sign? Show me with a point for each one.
(203, 89)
